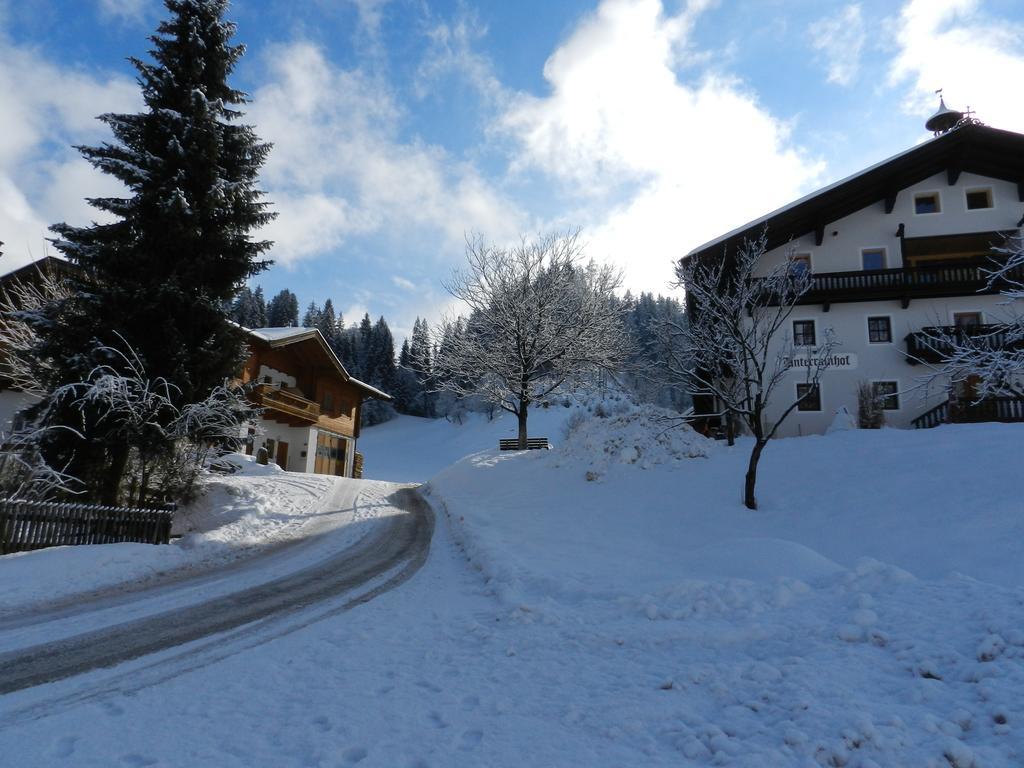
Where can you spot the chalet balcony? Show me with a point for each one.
(905, 283)
(965, 411)
(934, 344)
(284, 406)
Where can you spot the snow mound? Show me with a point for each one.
(757, 559)
(641, 436)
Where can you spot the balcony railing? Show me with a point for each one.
(294, 407)
(936, 343)
(905, 283)
(1004, 409)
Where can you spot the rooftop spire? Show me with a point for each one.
(944, 119)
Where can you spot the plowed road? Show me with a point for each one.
(393, 549)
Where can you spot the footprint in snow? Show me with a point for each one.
(63, 747)
(354, 755)
(471, 739)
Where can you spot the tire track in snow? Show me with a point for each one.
(399, 546)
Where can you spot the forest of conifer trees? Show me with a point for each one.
(367, 350)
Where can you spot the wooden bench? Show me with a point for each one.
(532, 444)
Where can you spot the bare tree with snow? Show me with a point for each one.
(738, 347)
(539, 320)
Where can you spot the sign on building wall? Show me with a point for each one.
(833, 361)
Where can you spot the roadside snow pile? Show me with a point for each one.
(235, 515)
(254, 506)
(644, 436)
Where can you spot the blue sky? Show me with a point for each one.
(401, 125)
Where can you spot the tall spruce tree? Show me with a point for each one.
(328, 324)
(312, 317)
(283, 310)
(158, 278)
(259, 307)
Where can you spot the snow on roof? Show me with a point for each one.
(275, 336)
(280, 334)
(372, 390)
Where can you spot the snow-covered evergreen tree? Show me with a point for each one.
(158, 277)
(312, 317)
(259, 309)
(328, 324)
(283, 310)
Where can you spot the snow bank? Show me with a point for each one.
(861, 617)
(235, 515)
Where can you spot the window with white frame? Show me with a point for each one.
(927, 202)
(800, 263)
(887, 393)
(808, 397)
(880, 329)
(803, 333)
(978, 199)
(873, 258)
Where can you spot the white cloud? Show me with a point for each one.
(401, 282)
(47, 106)
(339, 168)
(126, 10)
(840, 39)
(660, 165)
(978, 61)
(451, 52)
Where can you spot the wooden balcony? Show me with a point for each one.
(964, 411)
(905, 283)
(284, 406)
(935, 343)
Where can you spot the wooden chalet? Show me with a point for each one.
(311, 405)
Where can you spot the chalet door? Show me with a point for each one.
(330, 454)
(282, 455)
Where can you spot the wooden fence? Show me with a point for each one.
(26, 525)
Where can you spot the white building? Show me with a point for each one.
(894, 249)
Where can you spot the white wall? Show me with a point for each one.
(841, 251)
(871, 227)
(298, 439)
(873, 361)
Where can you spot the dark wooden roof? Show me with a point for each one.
(51, 265)
(972, 148)
(311, 348)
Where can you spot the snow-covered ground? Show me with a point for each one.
(611, 603)
(236, 516)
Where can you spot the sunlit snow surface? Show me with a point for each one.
(871, 613)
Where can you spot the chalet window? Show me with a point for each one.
(800, 263)
(328, 403)
(927, 202)
(978, 199)
(809, 396)
(873, 258)
(879, 330)
(887, 392)
(803, 333)
(967, 319)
